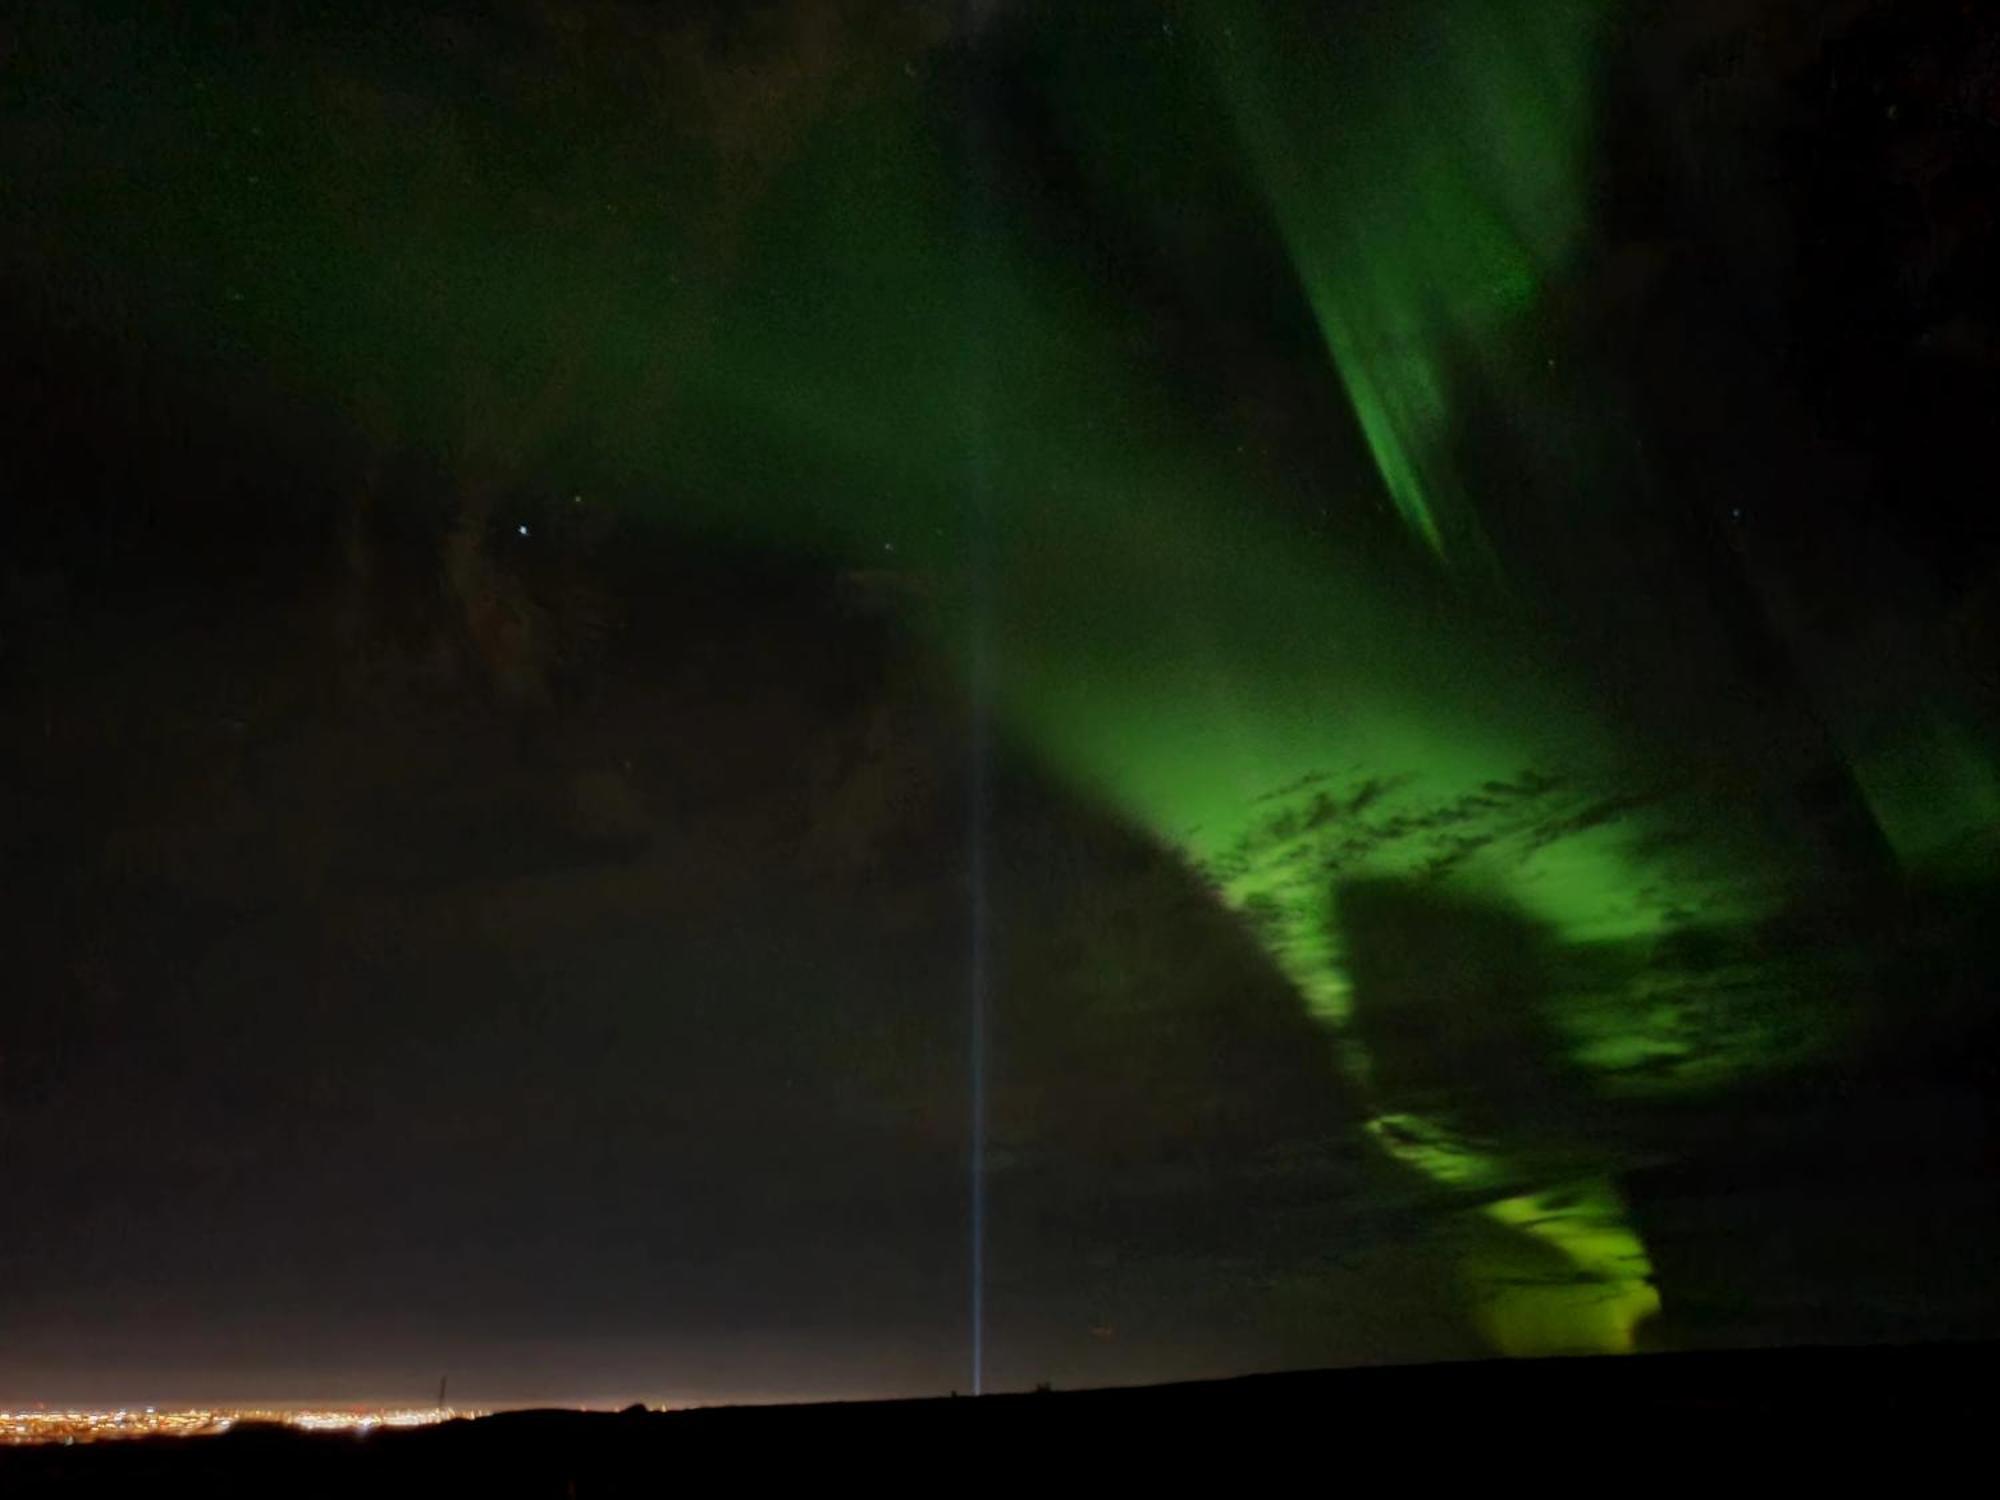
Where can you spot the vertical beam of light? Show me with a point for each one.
(977, 480)
(978, 811)
(978, 802)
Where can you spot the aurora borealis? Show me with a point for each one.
(1227, 409)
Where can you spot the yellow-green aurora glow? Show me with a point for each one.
(1303, 707)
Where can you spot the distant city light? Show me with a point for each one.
(19, 1428)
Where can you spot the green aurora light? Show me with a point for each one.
(1294, 714)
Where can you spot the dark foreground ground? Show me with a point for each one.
(1915, 1414)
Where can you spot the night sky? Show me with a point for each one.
(827, 697)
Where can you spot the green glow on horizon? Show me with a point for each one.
(1599, 1300)
(1585, 1288)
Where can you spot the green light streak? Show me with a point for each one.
(1426, 165)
